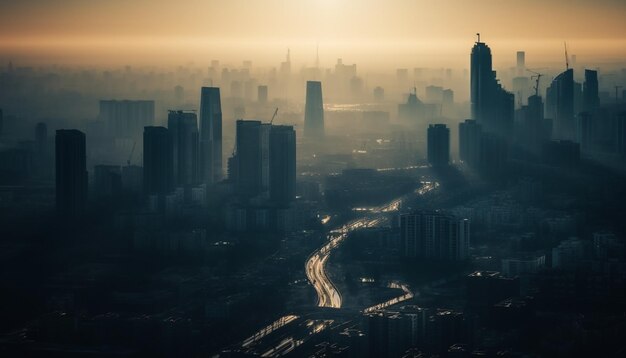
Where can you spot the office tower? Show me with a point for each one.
(560, 104)
(534, 129)
(71, 172)
(282, 164)
(157, 161)
(210, 135)
(1, 121)
(126, 119)
(433, 235)
(314, 111)
(591, 101)
(492, 106)
(438, 145)
(183, 129)
(469, 141)
(521, 62)
(262, 94)
(107, 180)
(249, 163)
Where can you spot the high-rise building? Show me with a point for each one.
(433, 235)
(183, 129)
(492, 105)
(248, 154)
(314, 111)
(126, 119)
(521, 62)
(469, 141)
(591, 100)
(533, 129)
(438, 145)
(1, 121)
(282, 164)
(157, 161)
(262, 94)
(560, 104)
(71, 172)
(210, 135)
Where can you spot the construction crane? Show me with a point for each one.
(274, 115)
(536, 75)
(131, 153)
(566, 57)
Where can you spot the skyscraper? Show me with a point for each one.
(433, 235)
(210, 135)
(183, 129)
(560, 104)
(521, 62)
(314, 111)
(71, 172)
(469, 141)
(249, 163)
(492, 106)
(157, 161)
(591, 101)
(438, 145)
(282, 164)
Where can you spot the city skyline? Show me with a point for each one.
(429, 32)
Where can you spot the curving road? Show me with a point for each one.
(327, 293)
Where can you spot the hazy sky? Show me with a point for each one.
(369, 32)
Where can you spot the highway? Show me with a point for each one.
(275, 339)
(315, 267)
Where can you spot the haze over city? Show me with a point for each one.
(312, 178)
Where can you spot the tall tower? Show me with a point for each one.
(438, 145)
(249, 158)
(183, 128)
(210, 135)
(591, 101)
(157, 161)
(71, 172)
(282, 163)
(492, 105)
(560, 104)
(314, 111)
